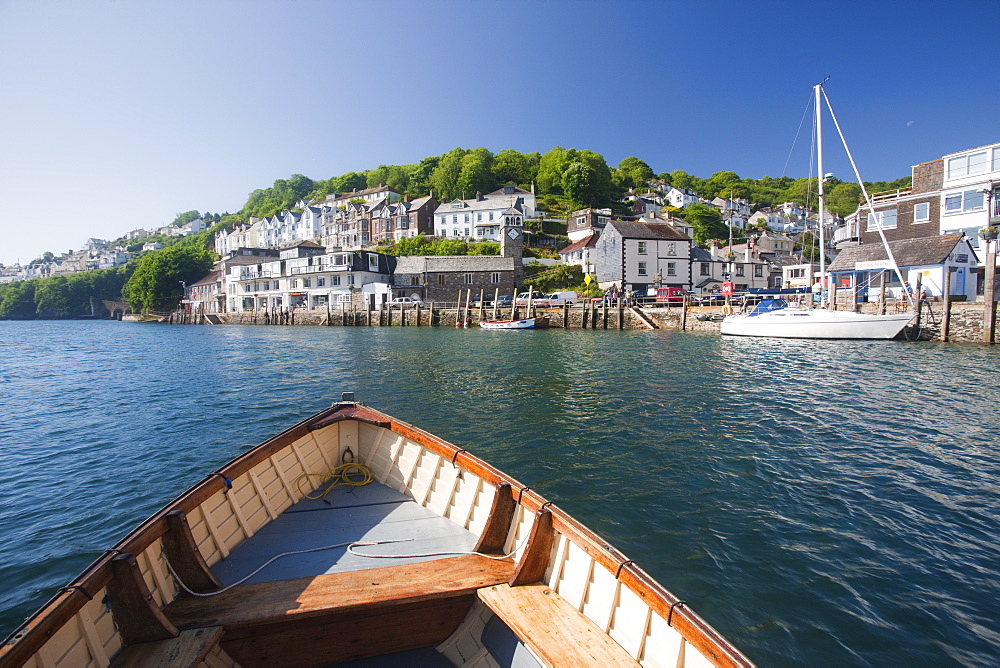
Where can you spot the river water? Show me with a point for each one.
(819, 503)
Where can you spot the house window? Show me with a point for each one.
(922, 212)
(335, 280)
(882, 219)
(491, 215)
(440, 279)
(581, 221)
(495, 277)
(758, 270)
(468, 279)
(671, 269)
(295, 283)
(642, 248)
(706, 269)
(966, 165)
(739, 270)
(320, 282)
(970, 200)
(307, 282)
(642, 269)
(479, 217)
(350, 279)
(372, 262)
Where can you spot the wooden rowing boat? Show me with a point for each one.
(423, 550)
(526, 323)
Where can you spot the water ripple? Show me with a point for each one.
(820, 503)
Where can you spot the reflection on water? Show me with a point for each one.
(818, 502)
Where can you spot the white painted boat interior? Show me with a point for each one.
(582, 604)
(372, 512)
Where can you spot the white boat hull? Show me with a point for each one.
(816, 324)
(527, 323)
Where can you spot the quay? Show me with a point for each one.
(938, 320)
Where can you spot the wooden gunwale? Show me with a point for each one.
(63, 606)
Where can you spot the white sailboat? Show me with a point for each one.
(776, 318)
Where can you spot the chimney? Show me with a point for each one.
(714, 249)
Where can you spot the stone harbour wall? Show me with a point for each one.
(965, 319)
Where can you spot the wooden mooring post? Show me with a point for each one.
(946, 307)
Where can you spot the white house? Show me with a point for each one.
(482, 217)
(971, 178)
(924, 260)
(680, 197)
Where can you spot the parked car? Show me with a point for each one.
(406, 301)
(505, 301)
(522, 298)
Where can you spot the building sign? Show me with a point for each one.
(873, 264)
(727, 288)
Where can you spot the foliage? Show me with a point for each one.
(808, 245)
(280, 196)
(422, 245)
(60, 296)
(157, 276)
(185, 218)
(17, 300)
(706, 221)
(632, 173)
(550, 279)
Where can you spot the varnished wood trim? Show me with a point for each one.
(138, 619)
(182, 552)
(534, 560)
(494, 534)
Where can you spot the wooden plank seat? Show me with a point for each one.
(357, 613)
(555, 631)
(187, 650)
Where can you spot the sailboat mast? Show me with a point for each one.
(819, 176)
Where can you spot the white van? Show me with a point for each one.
(560, 298)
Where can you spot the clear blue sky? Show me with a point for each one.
(118, 114)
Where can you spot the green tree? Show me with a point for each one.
(157, 276)
(52, 297)
(843, 198)
(510, 166)
(18, 300)
(706, 221)
(632, 173)
(444, 178)
(808, 246)
(476, 173)
(185, 218)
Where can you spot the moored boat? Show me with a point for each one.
(777, 319)
(526, 323)
(354, 535)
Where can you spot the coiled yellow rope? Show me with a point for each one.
(353, 473)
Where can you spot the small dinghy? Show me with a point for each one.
(353, 536)
(526, 323)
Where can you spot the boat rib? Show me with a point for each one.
(441, 553)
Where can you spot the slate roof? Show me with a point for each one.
(587, 242)
(657, 231)
(908, 252)
(416, 264)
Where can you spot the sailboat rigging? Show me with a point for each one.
(775, 318)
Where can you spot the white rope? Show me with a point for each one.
(267, 563)
(433, 554)
(350, 548)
